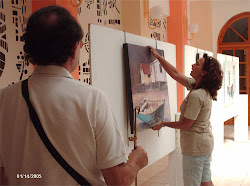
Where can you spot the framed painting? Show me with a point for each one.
(147, 87)
(230, 81)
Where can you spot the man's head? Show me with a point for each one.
(51, 36)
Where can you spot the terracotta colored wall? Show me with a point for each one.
(37, 4)
(67, 4)
(177, 36)
(201, 13)
(131, 11)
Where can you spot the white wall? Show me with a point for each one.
(223, 10)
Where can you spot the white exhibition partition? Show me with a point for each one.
(107, 71)
(230, 107)
(189, 59)
(236, 107)
(108, 74)
(217, 119)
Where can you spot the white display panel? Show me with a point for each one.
(107, 69)
(108, 74)
(190, 58)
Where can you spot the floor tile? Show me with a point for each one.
(162, 177)
(246, 182)
(150, 171)
(148, 183)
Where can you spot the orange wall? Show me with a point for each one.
(37, 4)
(177, 36)
(67, 4)
(201, 13)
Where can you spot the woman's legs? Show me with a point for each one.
(196, 170)
(206, 175)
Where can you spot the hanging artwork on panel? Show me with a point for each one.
(147, 87)
(229, 81)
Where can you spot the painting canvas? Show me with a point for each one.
(229, 81)
(147, 87)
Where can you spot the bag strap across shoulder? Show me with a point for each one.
(37, 124)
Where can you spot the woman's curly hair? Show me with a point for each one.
(212, 80)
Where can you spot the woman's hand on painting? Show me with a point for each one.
(158, 126)
(154, 52)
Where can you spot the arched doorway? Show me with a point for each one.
(234, 40)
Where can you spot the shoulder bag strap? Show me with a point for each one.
(37, 124)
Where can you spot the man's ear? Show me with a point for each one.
(75, 47)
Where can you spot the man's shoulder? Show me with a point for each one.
(10, 88)
(92, 92)
(85, 87)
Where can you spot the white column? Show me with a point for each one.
(241, 121)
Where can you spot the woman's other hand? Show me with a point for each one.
(158, 126)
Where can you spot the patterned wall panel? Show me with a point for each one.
(160, 32)
(101, 12)
(13, 19)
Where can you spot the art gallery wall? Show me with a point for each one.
(109, 55)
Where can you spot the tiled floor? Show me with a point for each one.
(234, 167)
(232, 170)
(155, 174)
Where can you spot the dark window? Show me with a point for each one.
(238, 31)
(241, 54)
(243, 70)
(228, 52)
(243, 85)
(231, 37)
(241, 26)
